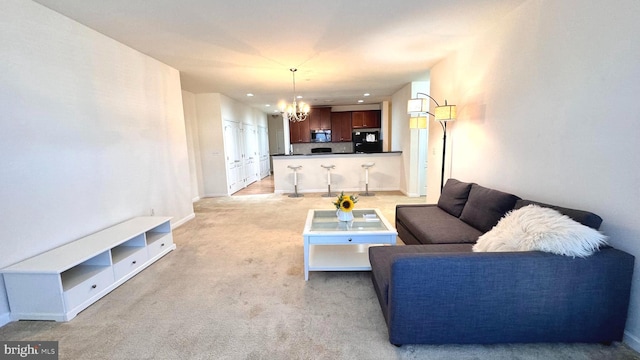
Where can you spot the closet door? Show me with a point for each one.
(263, 140)
(251, 157)
(233, 156)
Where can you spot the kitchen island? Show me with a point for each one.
(348, 175)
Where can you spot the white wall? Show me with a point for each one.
(92, 134)
(548, 110)
(212, 110)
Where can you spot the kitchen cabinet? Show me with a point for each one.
(320, 118)
(299, 132)
(366, 119)
(341, 126)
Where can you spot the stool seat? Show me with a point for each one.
(329, 168)
(366, 167)
(295, 169)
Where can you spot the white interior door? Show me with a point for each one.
(263, 140)
(233, 156)
(251, 157)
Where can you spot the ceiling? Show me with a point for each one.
(342, 49)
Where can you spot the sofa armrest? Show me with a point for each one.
(437, 298)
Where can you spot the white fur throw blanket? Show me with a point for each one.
(538, 228)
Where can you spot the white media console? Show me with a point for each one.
(58, 284)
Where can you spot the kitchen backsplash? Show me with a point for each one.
(305, 148)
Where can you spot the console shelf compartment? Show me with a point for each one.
(58, 284)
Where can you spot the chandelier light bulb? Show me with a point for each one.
(295, 112)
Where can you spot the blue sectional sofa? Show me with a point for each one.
(441, 292)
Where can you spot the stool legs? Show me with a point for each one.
(366, 183)
(328, 167)
(295, 185)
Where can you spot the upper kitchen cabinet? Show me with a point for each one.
(341, 126)
(320, 118)
(366, 119)
(299, 132)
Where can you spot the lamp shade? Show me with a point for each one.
(418, 122)
(445, 113)
(417, 106)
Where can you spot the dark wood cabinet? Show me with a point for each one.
(366, 119)
(341, 126)
(299, 132)
(320, 118)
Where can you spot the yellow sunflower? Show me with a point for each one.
(346, 205)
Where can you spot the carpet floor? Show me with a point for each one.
(234, 289)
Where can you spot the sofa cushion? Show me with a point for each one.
(539, 228)
(583, 217)
(381, 259)
(485, 207)
(432, 225)
(453, 197)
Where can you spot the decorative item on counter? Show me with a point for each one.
(344, 205)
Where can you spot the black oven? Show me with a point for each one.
(367, 142)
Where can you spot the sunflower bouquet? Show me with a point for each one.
(345, 203)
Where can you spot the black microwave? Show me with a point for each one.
(320, 135)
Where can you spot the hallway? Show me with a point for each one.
(264, 186)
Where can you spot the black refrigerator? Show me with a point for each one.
(367, 142)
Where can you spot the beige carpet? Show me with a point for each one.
(234, 289)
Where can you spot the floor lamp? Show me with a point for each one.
(418, 108)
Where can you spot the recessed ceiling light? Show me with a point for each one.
(360, 101)
(366, 94)
(299, 97)
(268, 105)
(249, 94)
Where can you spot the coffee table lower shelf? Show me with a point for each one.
(340, 257)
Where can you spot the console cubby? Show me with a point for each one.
(84, 271)
(129, 256)
(71, 277)
(158, 239)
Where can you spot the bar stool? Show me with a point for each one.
(328, 167)
(295, 180)
(366, 167)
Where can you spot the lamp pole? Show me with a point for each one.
(444, 151)
(418, 106)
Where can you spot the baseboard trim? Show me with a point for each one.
(197, 198)
(5, 319)
(632, 340)
(214, 195)
(183, 220)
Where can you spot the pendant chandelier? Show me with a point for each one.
(295, 111)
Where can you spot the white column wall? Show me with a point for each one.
(193, 144)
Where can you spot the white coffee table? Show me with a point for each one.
(332, 245)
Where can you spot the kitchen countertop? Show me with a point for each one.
(337, 153)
